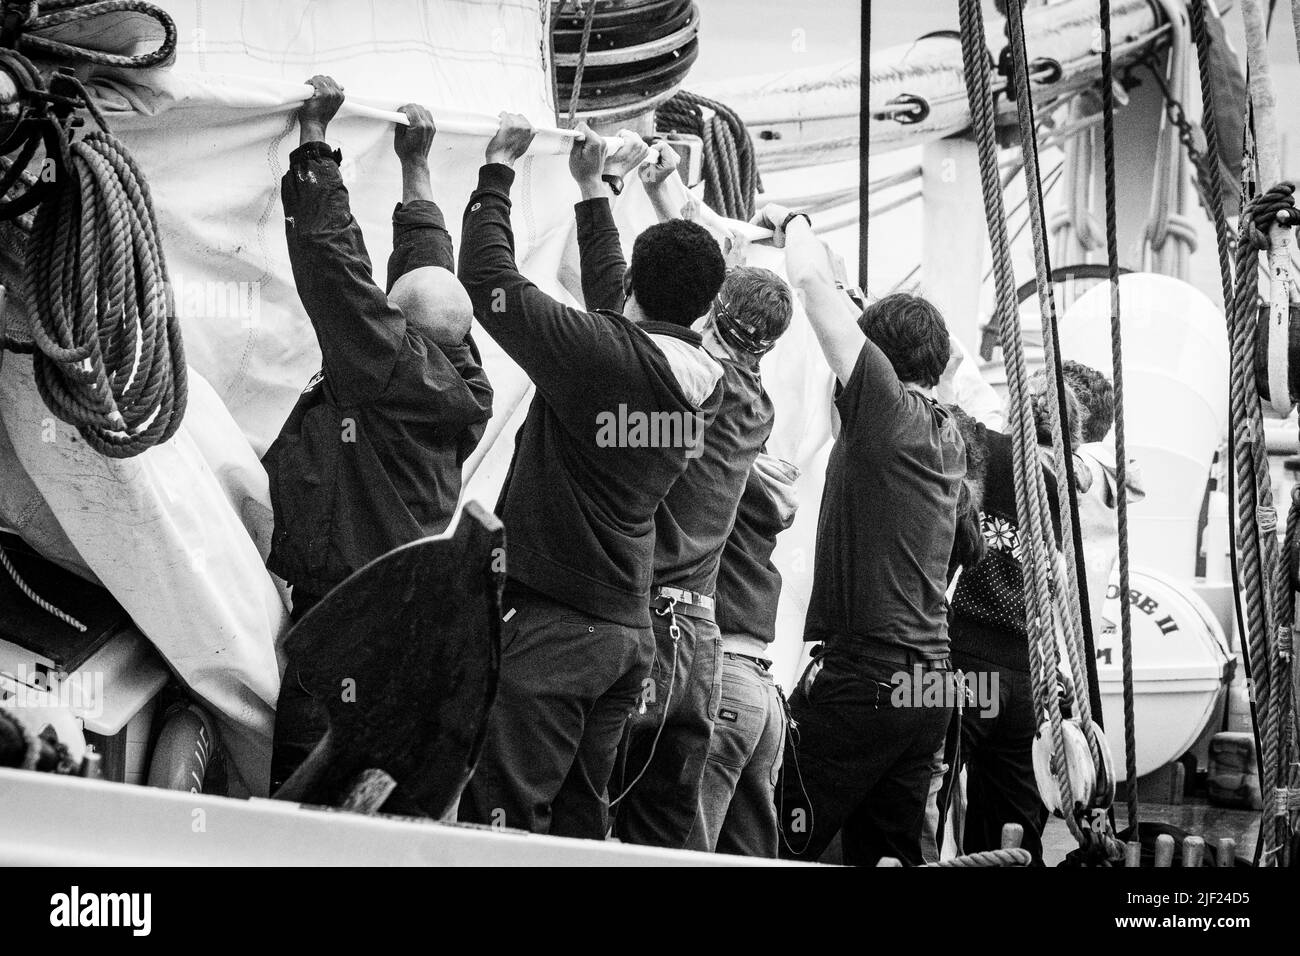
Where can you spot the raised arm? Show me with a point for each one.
(543, 336)
(808, 268)
(420, 236)
(358, 331)
(600, 252)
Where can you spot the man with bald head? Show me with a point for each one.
(370, 458)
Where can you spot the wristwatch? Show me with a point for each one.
(615, 183)
(793, 216)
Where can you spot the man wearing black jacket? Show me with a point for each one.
(622, 402)
(370, 457)
(668, 737)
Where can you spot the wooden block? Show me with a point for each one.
(369, 790)
(1227, 855)
(1193, 851)
(1164, 851)
(1133, 854)
(1012, 835)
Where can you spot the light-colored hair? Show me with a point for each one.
(1040, 399)
(434, 304)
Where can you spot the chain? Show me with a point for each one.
(1186, 130)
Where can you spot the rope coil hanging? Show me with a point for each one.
(109, 356)
(731, 178)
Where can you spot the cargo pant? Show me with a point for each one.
(668, 737)
(568, 682)
(738, 795)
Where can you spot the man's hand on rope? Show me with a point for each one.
(666, 163)
(412, 143)
(314, 116)
(511, 140)
(628, 155)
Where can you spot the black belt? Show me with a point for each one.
(891, 654)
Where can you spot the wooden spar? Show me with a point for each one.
(1263, 103)
(817, 109)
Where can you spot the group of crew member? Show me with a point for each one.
(636, 698)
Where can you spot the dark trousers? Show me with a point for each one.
(857, 763)
(300, 720)
(667, 749)
(738, 795)
(997, 751)
(568, 682)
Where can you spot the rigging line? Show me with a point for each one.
(1121, 449)
(1076, 622)
(864, 147)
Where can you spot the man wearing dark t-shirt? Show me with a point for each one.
(865, 751)
(580, 498)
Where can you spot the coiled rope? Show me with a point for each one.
(109, 356)
(731, 178)
(54, 13)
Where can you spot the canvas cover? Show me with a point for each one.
(212, 134)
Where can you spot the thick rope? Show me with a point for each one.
(1256, 519)
(1036, 533)
(54, 13)
(1070, 612)
(1224, 241)
(1117, 381)
(1014, 856)
(731, 177)
(109, 356)
(582, 57)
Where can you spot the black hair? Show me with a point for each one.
(912, 334)
(676, 270)
(1095, 394)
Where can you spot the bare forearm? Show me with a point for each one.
(311, 131)
(416, 182)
